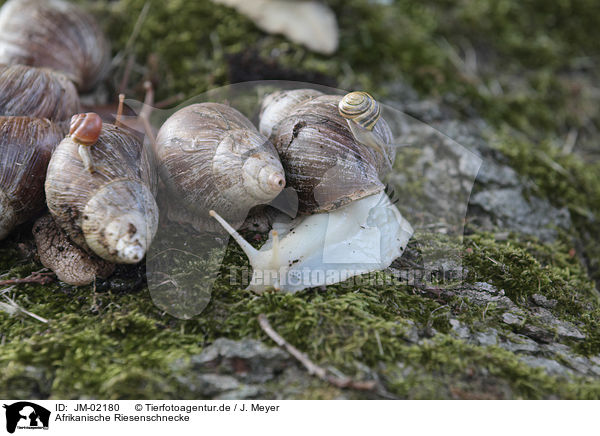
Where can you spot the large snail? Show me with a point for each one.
(110, 212)
(37, 92)
(35, 103)
(211, 157)
(26, 145)
(322, 159)
(54, 34)
(353, 227)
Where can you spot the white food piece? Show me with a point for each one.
(326, 248)
(306, 22)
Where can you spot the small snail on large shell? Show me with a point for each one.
(54, 34)
(110, 212)
(353, 228)
(211, 157)
(85, 130)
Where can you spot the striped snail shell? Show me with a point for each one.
(54, 34)
(26, 145)
(37, 92)
(210, 156)
(361, 108)
(110, 212)
(324, 160)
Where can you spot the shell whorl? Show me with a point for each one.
(361, 108)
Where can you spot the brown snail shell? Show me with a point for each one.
(279, 104)
(26, 145)
(36, 92)
(85, 128)
(323, 161)
(211, 157)
(54, 34)
(110, 212)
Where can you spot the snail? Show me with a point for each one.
(85, 130)
(26, 145)
(326, 165)
(54, 34)
(211, 157)
(35, 104)
(348, 225)
(37, 92)
(110, 212)
(362, 113)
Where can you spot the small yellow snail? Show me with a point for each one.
(110, 212)
(349, 226)
(26, 145)
(211, 157)
(362, 113)
(54, 34)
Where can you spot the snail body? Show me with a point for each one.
(211, 157)
(71, 263)
(347, 224)
(326, 248)
(26, 145)
(110, 212)
(54, 34)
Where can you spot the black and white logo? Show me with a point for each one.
(26, 415)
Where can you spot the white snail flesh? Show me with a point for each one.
(326, 248)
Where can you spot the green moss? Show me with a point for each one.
(524, 268)
(119, 345)
(567, 181)
(527, 53)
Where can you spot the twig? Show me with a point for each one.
(12, 308)
(134, 34)
(169, 100)
(43, 278)
(340, 382)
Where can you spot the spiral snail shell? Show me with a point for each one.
(36, 92)
(110, 212)
(323, 160)
(85, 128)
(54, 34)
(26, 145)
(211, 157)
(361, 108)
